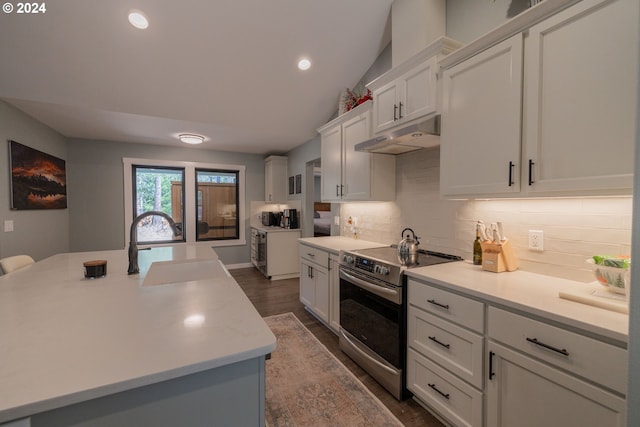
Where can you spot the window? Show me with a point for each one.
(206, 201)
(158, 189)
(217, 204)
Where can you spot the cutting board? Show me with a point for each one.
(597, 297)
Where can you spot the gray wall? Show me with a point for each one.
(469, 19)
(95, 176)
(297, 161)
(39, 233)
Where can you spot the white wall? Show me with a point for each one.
(39, 233)
(574, 228)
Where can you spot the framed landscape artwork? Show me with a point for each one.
(38, 180)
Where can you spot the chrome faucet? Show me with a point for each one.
(133, 238)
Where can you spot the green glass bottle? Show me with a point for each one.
(477, 249)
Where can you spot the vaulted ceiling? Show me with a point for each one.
(226, 69)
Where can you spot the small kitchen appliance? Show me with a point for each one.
(373, 309)
(290, 218)
(271, 219)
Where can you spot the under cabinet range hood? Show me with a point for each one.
(425, 134)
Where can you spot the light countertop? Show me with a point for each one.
(530, 293)
(335, 244)
(66, 339)
(275, 229)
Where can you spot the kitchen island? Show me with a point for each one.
(122, 350)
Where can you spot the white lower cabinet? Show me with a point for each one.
(445, 338)
(543, 375)
(281, 254)
(452, 398)
(526, 392)
(314, 281)
(475, 364)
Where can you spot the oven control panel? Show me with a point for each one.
(366, 264)
(371, 266)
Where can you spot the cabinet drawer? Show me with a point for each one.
(451, 397)
(594, 360)
(458, 309)
(314, 255)
(457, 349)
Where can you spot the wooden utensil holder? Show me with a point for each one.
(498, 257)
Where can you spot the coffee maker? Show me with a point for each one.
(290, 218)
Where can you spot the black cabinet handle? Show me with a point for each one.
(535, 341)
(395, 112)
(311, 271)
(400, 110)
(434, 302)
(435, 340)
(337, 186)
(511, 165)
(531, 163)
(491, 373)
(433, 387)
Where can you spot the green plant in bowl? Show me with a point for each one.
(612, 272)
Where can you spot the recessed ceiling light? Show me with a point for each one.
(190, 138)
(138, 19)
(304, 64)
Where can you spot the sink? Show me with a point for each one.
(166, 272)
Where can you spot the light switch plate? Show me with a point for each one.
(8, 225)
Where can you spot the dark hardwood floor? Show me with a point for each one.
(282, 296)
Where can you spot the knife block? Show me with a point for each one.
(498, 257)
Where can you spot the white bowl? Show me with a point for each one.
(616, 279)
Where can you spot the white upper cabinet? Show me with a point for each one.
(409, 97)
(581, 89)
(410, 91)
(481, 116)
(275, 179)
(567, 127)
(331, 158)
(349, 175)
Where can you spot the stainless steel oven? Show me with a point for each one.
(373, 312)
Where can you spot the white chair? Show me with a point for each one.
(14, 263)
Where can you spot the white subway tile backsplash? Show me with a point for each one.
(575, 228)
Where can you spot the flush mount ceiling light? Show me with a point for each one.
(304, 64)
(191, 138)
(138, 19)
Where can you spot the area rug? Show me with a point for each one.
(306, 385)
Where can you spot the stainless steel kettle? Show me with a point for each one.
(408, 245)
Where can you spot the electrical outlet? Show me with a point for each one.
(536, 240)
(8, 225)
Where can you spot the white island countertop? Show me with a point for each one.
(66, 339)
(530, 293)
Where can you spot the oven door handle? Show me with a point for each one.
(358, 348)
(378, 290)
